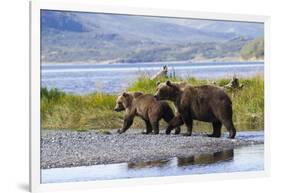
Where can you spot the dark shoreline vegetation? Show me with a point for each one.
(94, 111)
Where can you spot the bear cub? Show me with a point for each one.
(147, 108)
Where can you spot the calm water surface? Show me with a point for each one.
(248, 158)
(113, 78)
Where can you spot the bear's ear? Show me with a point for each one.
(168, 83)
(125, 94)
(157, 83)
(137, 94)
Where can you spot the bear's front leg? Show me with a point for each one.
(177, 130)
(155, 127)
(128, 121)
(148, 127)
(189, 124)
(216, 129)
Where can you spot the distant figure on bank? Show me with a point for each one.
(161, 74)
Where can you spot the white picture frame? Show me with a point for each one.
(36, 6)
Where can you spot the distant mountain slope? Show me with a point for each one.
(253, 50)
(86, 37)
(63, 21)
(245, 29)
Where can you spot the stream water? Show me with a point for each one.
(113, 78)
(247, 158)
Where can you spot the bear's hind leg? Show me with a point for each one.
(225, 117)
(231, 129)
(216, 129)
(168, 116)
(175, 122)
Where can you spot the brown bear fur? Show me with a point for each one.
(204, 103)
(147, 108)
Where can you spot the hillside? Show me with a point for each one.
(253, 49)
(96, 38)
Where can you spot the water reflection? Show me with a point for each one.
(185, 161)
(248, 158)
(148, 164)
(182, 161)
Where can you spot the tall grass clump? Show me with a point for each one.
(248, 104)
(147, 85)
(67, 111)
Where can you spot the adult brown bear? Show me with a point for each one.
(204, 103)
(147, 108)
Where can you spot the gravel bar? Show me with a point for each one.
(71, 148)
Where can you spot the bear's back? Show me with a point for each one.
(146, 99)
(212, 93)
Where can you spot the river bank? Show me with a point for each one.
(72, 148)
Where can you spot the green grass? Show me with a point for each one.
(66, 111)
(61, 110)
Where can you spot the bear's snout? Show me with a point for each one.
(116, 109)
